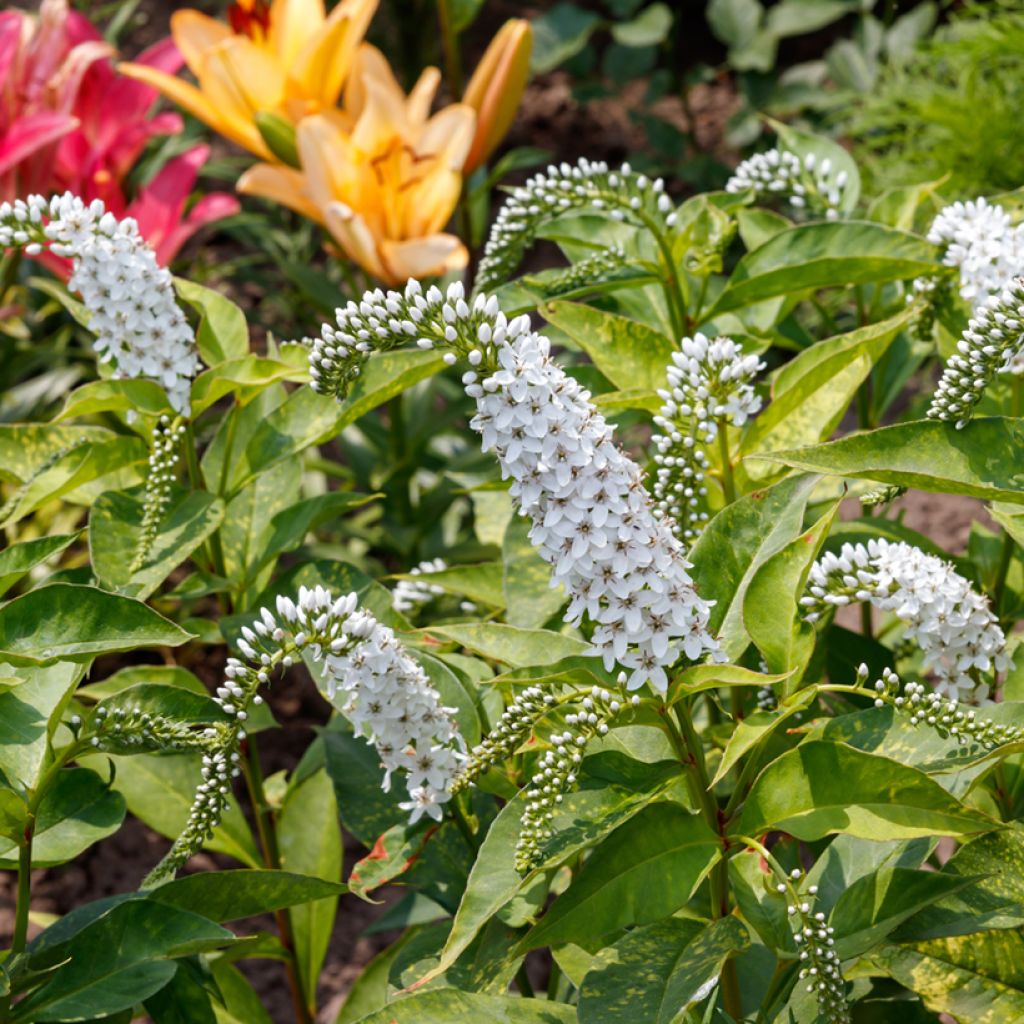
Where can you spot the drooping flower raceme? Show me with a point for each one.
(981, 243)
(992, 343)
(809, 183)
(367, 674)
(138, 324)
(624, 194)
(410, 594)
(593, 520)
(710, 383)
(951, 623)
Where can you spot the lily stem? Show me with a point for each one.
(728, 481)
(24, 888)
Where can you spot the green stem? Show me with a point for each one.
(523, 982)
(692, 322)
(1002, 571)
(229, 444)
(252, 770)
(450, 43)
(675, 295)
(462, 821)
(24, 888)
(728, 481)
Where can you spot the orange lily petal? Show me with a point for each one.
(422, 96)
(282, 185)
(323, 64)
(178, 91)
(292, 23)
(431, 202)
(497, 86)
(194, 33)
(324, 154)
(448, 135)
(422, 257)
(357, 240)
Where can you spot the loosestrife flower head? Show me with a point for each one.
(951, 623)
(593, 520)
(410, 594)
(138, 324)
(992, 343)
(367, 674)
(815, 940)
(981, 244)
(624, 194)
(809, 184)
(710, 382)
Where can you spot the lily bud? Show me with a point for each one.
(279, 135)
(496, 88)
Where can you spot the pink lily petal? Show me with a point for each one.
(31, 133)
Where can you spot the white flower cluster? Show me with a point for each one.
(819, 962)
(130, 297)
(947, 717)
(808, 184)
(992, 343)
(410, 594)
(593, 520)
(556, 772)
(951, 624)
(623, 194)
(163, 462)
(983, 246)
(370, 677)
(710, 383)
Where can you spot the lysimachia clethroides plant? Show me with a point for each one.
(635, 682)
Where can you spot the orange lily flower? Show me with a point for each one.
(497, 86)
(382, 175)
(285, 57)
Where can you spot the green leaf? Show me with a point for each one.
(581, 819)
(223, 333)
(529, 597)
(734, 22)
(825, 255)
(876, 904)
(812, 392)
(231, 895)
(977, 978)
(370, 991)
(129, 395)
(982, 460)
(508, 644)
(772, 612)
(183, 1000)
(560, 34)
(115, 535)
(655, 974)
(117, 961)
(645, 870)
(159, 789)
(310, 843)
(239, 1003)
(29, 715)
(630, 354)
(78, 810)
(67, 622)
(450, 1006)
(822, 788)
(733, 546)
(245, 377)
(481, 583)
(799, 17)
(650, 27)
(20, 559)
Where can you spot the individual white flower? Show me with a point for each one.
(981, 243)
(951, 623)
(410, 594)
(593, 520)
(138, 324)
(367, 674)
(809, 184)
(709, 381)
(992, 343)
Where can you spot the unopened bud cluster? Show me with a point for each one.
(51, 460)
(411, 594)
(557, 770)
(132, 730)
(599, 266)
(367, 674)
(130, 297)
(983, 246)
(710, 384)
(593, 520)
(163, 463)
(993, 343)
(952, 624)
(809, 183)
(885, 494)
(623, 195)
(820, 968)
(947, 717)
